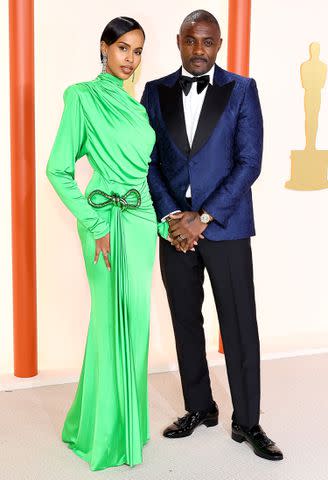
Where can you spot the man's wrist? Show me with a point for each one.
(205, 217)
(164, 219)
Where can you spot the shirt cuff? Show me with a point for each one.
(171, 213)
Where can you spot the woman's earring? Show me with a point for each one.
(133, 75)
(104, 63)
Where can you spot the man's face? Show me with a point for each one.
(199, 43)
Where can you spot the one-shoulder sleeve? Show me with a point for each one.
(70, 145)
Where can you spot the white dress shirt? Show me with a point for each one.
(192, 106)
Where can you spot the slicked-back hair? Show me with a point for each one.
(117, 27)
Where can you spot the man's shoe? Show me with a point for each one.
(257, 438)
(184, 426)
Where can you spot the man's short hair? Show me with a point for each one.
(200, 16)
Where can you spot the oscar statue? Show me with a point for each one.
(309, 167)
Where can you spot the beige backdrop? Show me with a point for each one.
(290, 250)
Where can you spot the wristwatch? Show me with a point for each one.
(205, 217)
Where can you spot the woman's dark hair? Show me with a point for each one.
(117, 27)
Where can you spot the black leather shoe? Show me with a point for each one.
(257, 438)
(184, 426)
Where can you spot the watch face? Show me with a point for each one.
(204, 218)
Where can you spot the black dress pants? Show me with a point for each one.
(230, 269)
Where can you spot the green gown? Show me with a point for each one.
(108, 423)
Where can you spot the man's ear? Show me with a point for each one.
(178, 41)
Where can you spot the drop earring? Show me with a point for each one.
(133, 76)
(104, 63)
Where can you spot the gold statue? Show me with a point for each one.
(309, 167)
(313, 74)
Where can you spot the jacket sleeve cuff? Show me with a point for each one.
(217, 217)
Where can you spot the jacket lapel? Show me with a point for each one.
(215, 101)
(172, 110)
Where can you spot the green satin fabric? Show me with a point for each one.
(108, 423)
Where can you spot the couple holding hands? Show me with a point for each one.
(179, 164)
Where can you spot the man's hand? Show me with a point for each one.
(185, 230)
(180, 245)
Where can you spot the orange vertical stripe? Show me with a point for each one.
(22, 131)
(239, 36)
(239, 29)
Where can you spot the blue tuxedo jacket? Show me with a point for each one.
(223, 161)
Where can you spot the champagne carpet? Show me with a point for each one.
(294, 414)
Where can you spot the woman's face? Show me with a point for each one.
(124, 56)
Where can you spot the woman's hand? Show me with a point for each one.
(102, 245)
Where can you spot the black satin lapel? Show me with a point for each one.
(215, 101)
(173, 114)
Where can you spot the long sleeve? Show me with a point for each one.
(163, 229)
(163, 201)
(70, 145)
(247, 157)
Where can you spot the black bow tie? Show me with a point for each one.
(186, 83)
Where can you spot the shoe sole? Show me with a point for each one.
(240, 438)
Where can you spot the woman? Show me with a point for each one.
(108, 422)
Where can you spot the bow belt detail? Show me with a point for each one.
(122, 202)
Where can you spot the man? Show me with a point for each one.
(208, 153)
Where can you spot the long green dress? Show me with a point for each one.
(108, 423)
